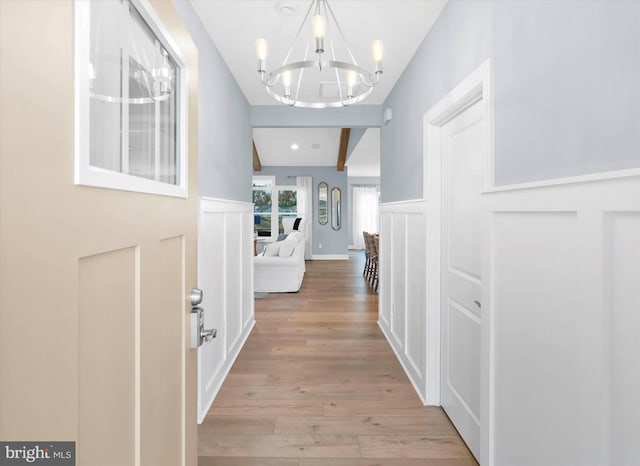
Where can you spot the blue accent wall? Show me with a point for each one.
(333, 241)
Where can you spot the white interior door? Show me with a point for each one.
(462, 145)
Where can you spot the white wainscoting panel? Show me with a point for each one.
(401, 314)
(561, 324)
(225, 274)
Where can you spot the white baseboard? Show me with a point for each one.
(416, 386)
(330, 257)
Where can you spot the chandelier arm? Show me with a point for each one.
(333, 104)
(266, 82)
(130, 100)
(293, 42)
(346, 44)
(367, 78)
(333, 54)
(306, 53)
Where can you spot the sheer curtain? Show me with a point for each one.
(365, 213)
(304, 188)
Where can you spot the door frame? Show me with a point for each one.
(476, 88)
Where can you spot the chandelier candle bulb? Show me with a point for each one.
(286, 82)
(318, 28)
(377, 52)
(261, 52)
(351, 82)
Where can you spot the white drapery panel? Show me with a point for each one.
(366, 213)
(304, 188)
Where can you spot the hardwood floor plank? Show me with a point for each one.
(298, 392)
(266, 408)
(239, 461)
(281, 446)
(386, 462)
(238, 424)
(432, 426)
(410, 446)
(317, 384)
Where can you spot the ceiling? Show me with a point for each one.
(234, 25)
(274, 146)
(317, 147)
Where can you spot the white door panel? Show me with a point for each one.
(462, 142)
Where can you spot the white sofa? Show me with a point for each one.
(276, 274)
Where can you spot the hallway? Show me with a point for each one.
(317, 384)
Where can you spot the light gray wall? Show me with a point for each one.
(277, 116)
(359, 180)
(225, 157)
(354, 138)
(567, 100)
(333, 242)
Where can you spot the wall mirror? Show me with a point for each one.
(336, 209)
(323, 201)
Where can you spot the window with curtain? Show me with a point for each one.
(366, 216)
(287, 205)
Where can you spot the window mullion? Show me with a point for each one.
(124, 80)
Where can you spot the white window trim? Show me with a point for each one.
(88, 175)
(274, 204)
(275, 197)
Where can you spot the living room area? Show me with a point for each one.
(314, 194)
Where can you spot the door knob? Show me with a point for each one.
(478, 304)
(196, 296)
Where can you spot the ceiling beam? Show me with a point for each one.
(257, 166)
(342, 149)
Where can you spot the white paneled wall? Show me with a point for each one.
(561, 329)
(402, 292)
(560, 324)
(225, 274)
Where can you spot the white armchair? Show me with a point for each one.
(280, 273)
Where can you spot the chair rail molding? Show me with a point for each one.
(561, 267)
(225, 274)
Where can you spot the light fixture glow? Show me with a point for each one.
(351, 82)
(318, 26)
(351, 77)
(377, 50)
(286, 82)
(261, 49)
(286, 78)
(294, 146)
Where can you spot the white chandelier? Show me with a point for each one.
(353, 82)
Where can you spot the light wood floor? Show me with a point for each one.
(317, 385)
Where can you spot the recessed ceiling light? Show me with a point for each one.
(294, 146)
(315, 146)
